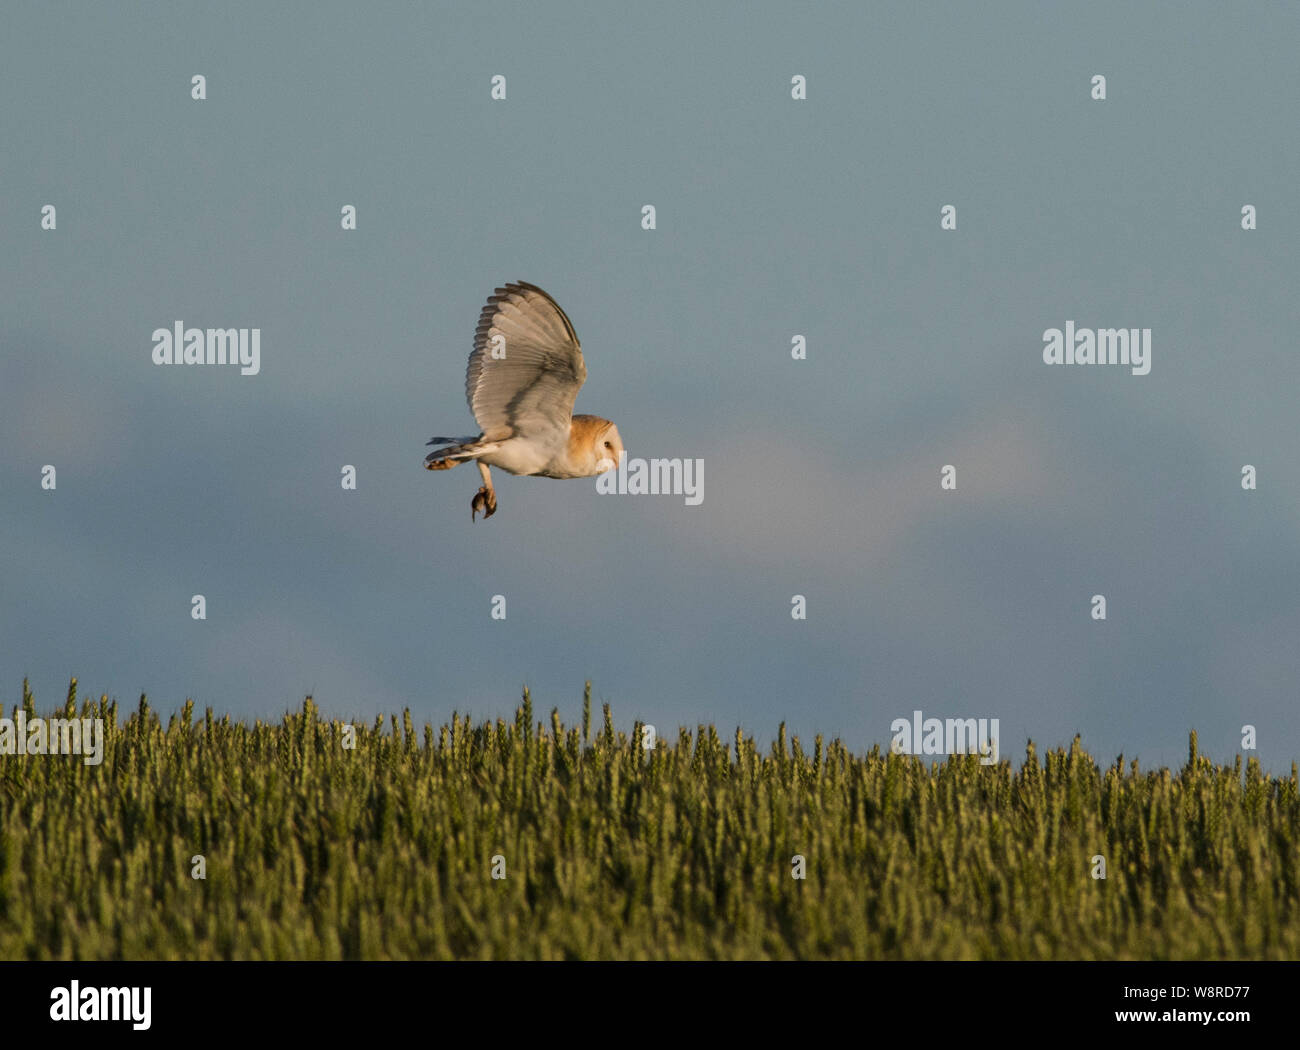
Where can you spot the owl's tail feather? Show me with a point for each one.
(460, 450)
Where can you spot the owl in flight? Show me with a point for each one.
(523, 376)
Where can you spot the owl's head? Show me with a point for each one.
(594, 446)
(607, 446)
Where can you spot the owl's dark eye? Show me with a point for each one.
(608, 445)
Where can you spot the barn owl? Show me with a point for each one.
(524, 374)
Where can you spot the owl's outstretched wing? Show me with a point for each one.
(526, 368)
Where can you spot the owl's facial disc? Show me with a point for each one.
(608, 447)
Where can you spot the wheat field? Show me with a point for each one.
(388, 849)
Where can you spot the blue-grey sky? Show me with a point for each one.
(775, 217)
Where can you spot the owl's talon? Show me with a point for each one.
(484, 500)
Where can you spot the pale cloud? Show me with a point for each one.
(878, 501)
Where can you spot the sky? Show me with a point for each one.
(774, 217)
